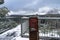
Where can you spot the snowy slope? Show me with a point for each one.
(17, 29)
(13, 34)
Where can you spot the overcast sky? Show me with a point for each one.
(15, 5)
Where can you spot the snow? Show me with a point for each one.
(20, 38)
(15, 13)
(14, 34)
(51, 35)
(17, 36)
(40, 11)
(17, 29)
(45, 9)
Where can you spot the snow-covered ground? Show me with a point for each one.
(13, 34)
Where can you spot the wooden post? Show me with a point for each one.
(33, 28)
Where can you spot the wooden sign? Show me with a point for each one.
(33, 28)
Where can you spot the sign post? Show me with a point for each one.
(33, 28)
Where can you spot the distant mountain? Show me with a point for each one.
(41, 11)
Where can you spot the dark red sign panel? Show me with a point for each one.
(33, 28)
